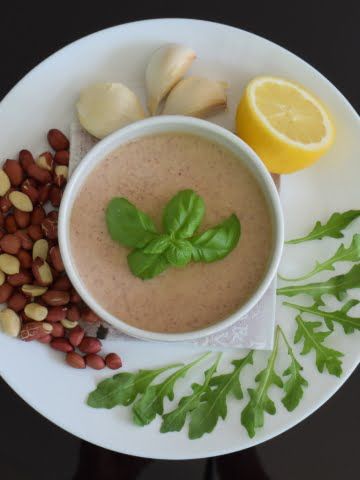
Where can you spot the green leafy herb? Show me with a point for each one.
(183, 214)
(337, 286)
(325, 356)
(158, 245)
(252, 416)
(152, 400)
(332, 228)
(123, 388)
(128, 225)
(217, 242)
(175, 420)
(154, 252)
(204, 417)
(179, 253)
(146, 266)
(349, 324)
(350, 254)
(294, 385)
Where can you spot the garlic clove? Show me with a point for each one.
(167, 65)
(103, 108)
(196, 97)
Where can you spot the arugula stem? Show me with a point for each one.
(217, 360)
(345, 320)
(285, 340)
(184, 407)
(146, 406)
(295, 384)
(185, 368)
(299, 240)
(233, 374)
(271, 363)
(332, 228)
(342, 254)
(298, 279)
(228, 383)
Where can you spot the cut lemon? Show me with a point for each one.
(285, 124)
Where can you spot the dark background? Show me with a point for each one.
(326, 445)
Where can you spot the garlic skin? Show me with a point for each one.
(104, 108)
(196, 97)
(167, 65)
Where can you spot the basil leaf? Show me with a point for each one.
(146, 266)
(158, 245)
(179, 253)
(217, 242)
(128, 225)
(183, 214)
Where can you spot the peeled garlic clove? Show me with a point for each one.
(196, 97)
(103, 108)
(167, 65)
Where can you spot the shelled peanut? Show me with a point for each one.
(41, 301)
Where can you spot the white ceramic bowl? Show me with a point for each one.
(151, 126)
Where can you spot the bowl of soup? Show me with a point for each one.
(147, 163)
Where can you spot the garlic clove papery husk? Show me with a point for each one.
(167, 65)
(196, 97)
(103, 108)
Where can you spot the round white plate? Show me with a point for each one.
(45, 99)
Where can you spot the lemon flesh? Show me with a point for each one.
(285, 124)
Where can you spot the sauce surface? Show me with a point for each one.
(149, 172)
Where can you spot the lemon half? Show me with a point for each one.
(285, 124)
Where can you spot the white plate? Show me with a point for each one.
(45, 98)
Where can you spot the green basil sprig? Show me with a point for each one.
(154, 252)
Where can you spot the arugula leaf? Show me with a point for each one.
(179, 253)
(294, 385)
(350, 254)
(204, 417)
(128, 225)
(146, 266)
(332, 228)
(217, 242)
(349, 324)
(334, 286)
(183, 214)
(152, 400)
(252, 416)
(175, 420)
(325, 357)
(158, 245)
(123, 388)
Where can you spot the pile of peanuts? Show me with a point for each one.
(41, 303)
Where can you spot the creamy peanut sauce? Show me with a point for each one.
(149, 172)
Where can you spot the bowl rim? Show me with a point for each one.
(142, 128)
